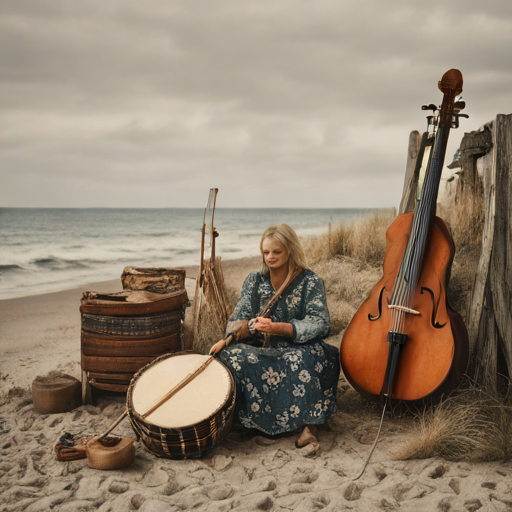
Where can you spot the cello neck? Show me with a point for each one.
(407, 278)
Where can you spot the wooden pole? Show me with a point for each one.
(472, 147)
(489, 313)
(408, 202)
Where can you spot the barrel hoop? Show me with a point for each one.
(110, 346)
(132, 326)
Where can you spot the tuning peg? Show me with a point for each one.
(455, 119)
(431, 121)
(431, 106)
(459, 104)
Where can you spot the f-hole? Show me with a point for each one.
(372, 318)
(435, 324)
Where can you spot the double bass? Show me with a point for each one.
(405, 342)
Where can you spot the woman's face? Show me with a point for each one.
(275, 254)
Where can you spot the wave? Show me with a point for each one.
(54, 263)
(66, 247)
(184, 251)
(250, 235)
(10, 269)
(156, 235)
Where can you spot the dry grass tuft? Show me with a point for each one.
(465, 219)
(349, 259)
(364, 239)
(469, 427)
(208, 331)
(347, 283)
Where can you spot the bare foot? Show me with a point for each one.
(311, 450)
(308, 436)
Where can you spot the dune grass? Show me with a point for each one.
(470, 426)
(465, 218)
(349, 259)
(363, 240)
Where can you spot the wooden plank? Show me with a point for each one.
(472, 146)
(110, 386)
(86, 389)
(112, 346)
(501, 262)
(408, 202)
(486, 362)
(489, 318)
(149, 326)
(114, 364)
(111, 377)
(479, 286)
(109, 304)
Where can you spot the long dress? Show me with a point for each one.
(293, 381)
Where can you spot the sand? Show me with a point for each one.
(245, 472)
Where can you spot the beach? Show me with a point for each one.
(247, 471)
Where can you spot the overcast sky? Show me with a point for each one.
(275, 102)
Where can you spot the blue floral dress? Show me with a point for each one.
(292, 382)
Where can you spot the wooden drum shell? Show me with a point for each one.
(191, 441)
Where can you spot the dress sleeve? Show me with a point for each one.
(244, 308)
(316, 322)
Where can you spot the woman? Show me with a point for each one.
(286, 376)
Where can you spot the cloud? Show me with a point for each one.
(278, 103)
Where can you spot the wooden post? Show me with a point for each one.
(489, 314)
(472, 146)
(408, 202)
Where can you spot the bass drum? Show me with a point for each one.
(192, 421)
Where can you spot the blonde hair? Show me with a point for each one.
(287, 237)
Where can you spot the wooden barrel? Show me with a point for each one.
(124, 331)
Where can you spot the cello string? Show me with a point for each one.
(416, 244)
(420, 230)
(421, 221)
(374, 443)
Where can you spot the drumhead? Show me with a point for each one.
(198, 400)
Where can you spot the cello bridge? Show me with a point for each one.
(404, 309)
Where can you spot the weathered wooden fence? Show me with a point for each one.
(489, 319)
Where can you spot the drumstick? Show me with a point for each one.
(113, 426)
(176, 388)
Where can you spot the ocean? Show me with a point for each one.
(52, 249)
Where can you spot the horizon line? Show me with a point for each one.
(195, 208)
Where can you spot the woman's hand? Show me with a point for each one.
(266, 325)
(218, 347)
(263, 324)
